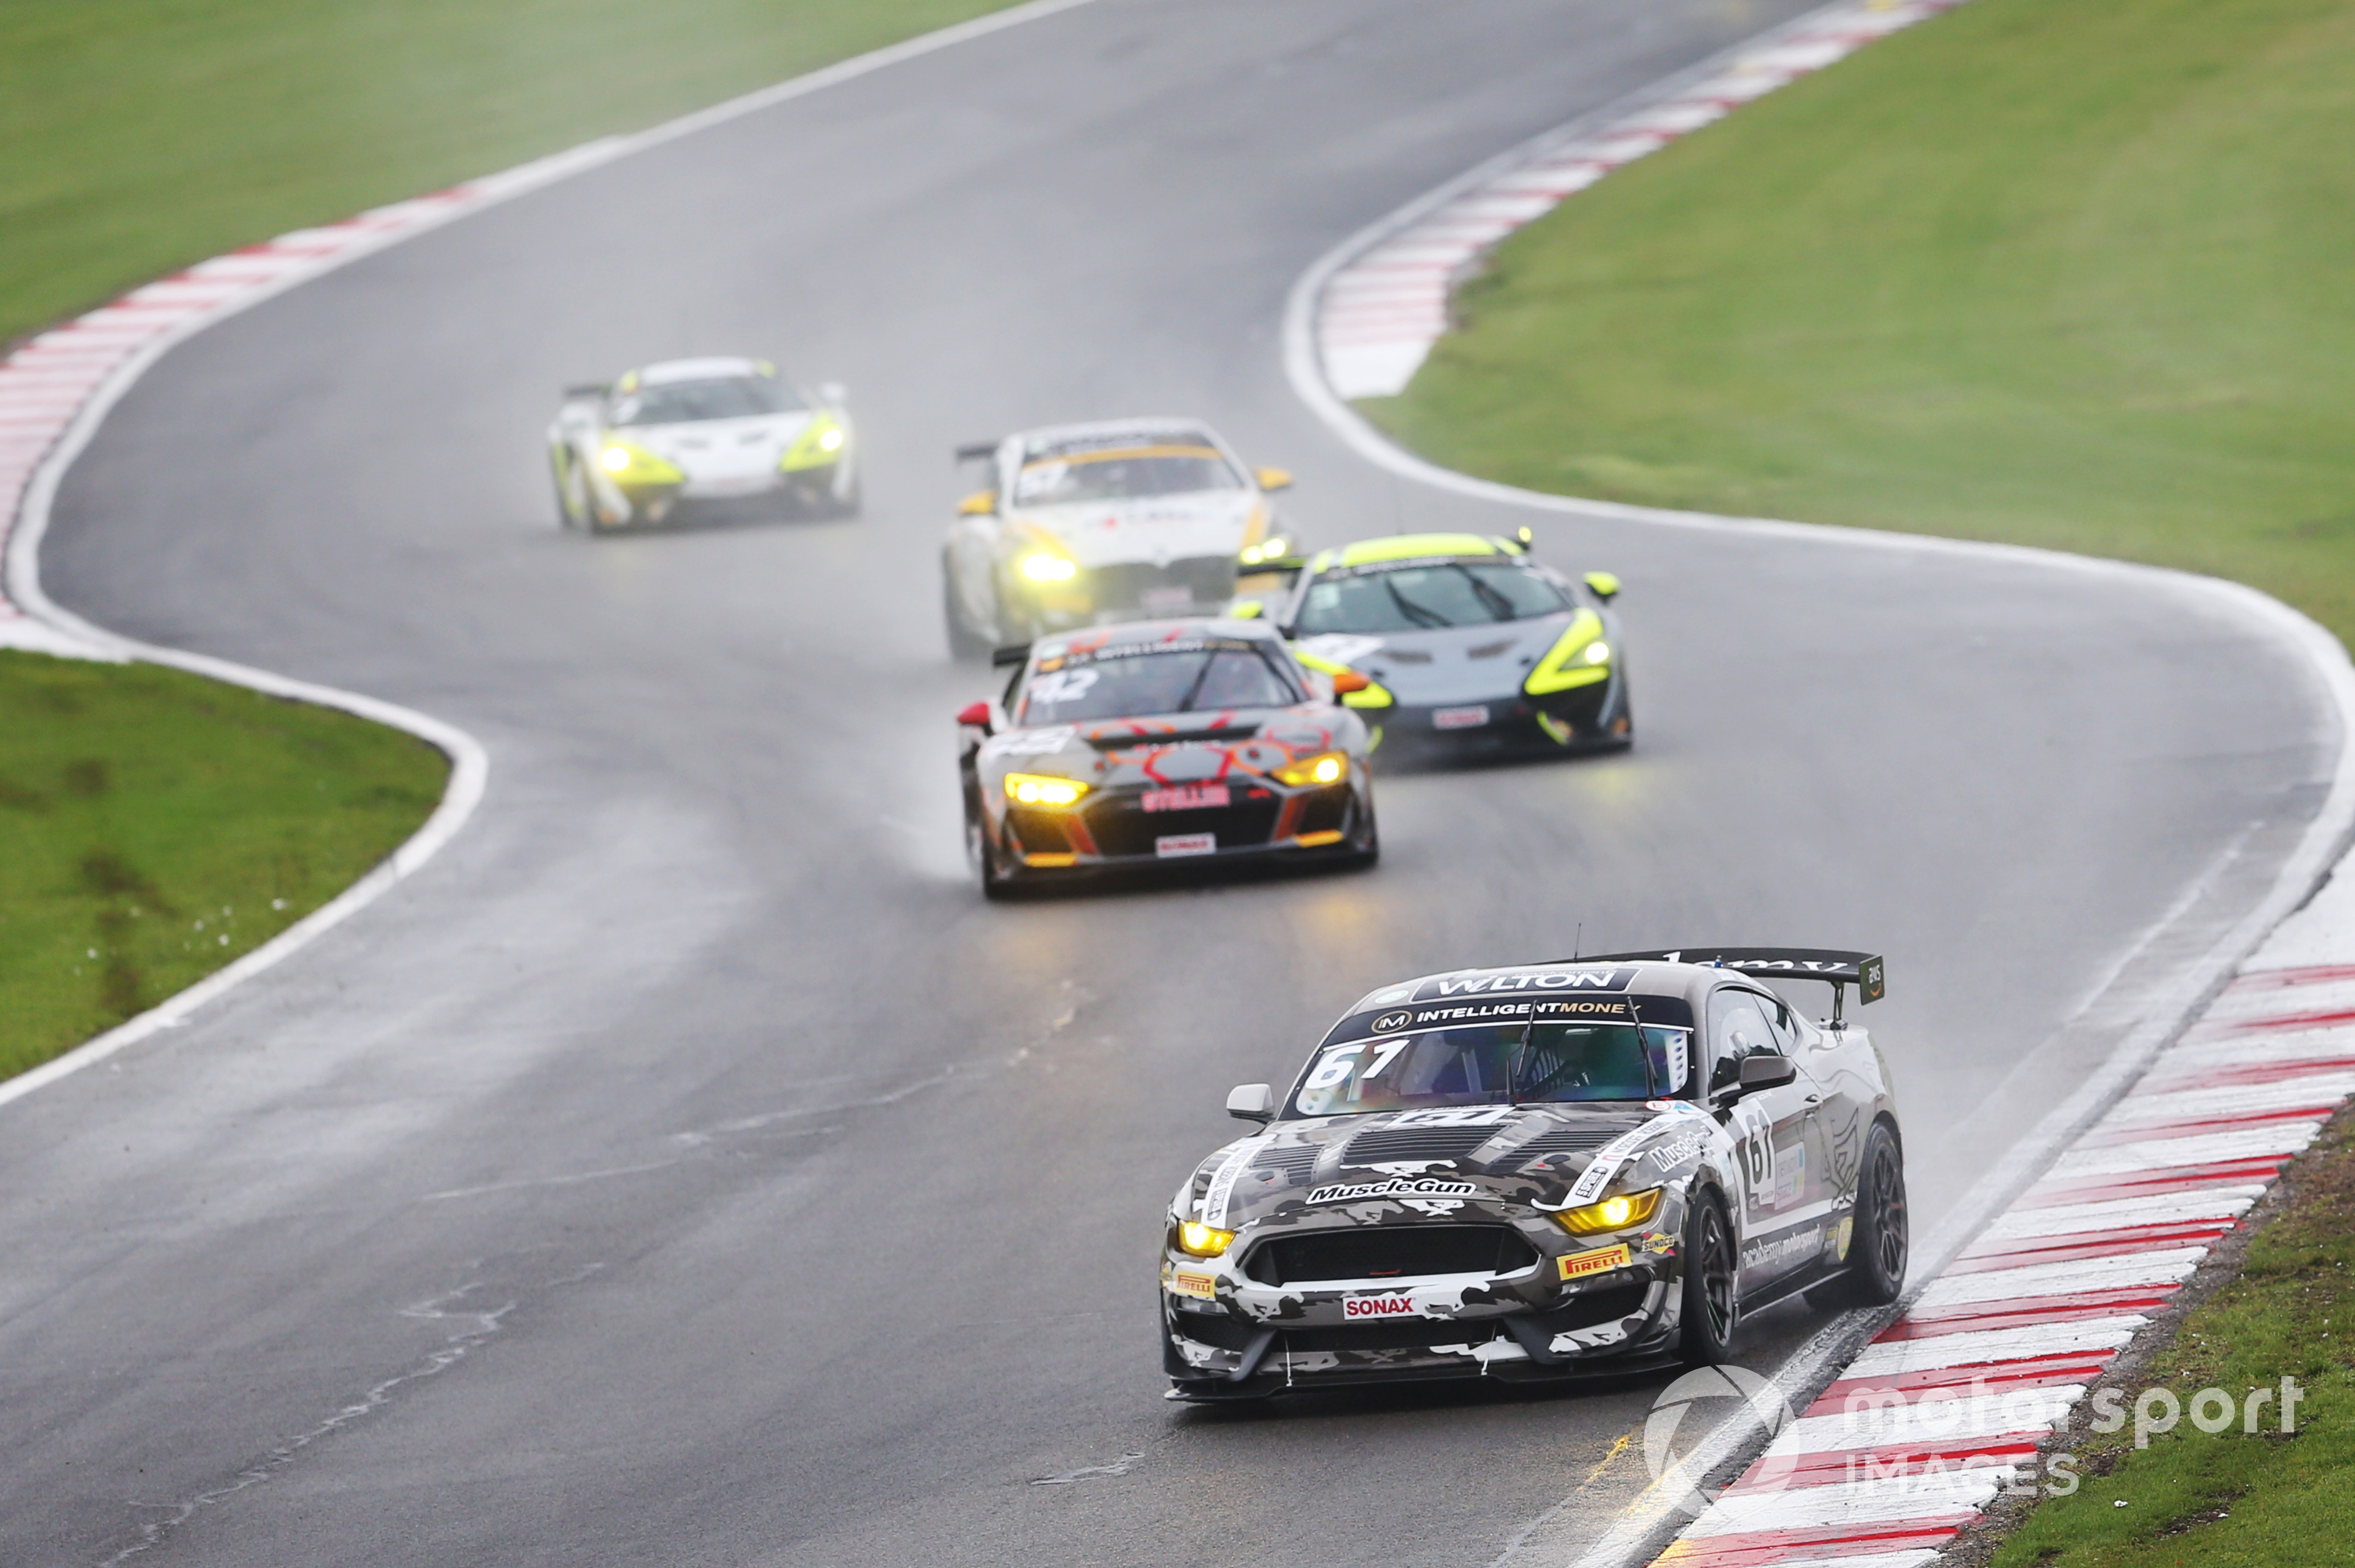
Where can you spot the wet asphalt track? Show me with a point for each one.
(689, 1167)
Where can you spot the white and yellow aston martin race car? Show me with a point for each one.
(684, 437)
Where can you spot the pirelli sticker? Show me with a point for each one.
(1202, 1287)
(1603, 1260)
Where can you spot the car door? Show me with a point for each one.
(1778, 1143)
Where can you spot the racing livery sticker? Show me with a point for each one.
(1399, 1304)
(1399, 1186)
(1194, 1282)
(1222, 1185)
(1541, 980)
(1603, 1260)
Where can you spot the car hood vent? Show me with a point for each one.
(1384, 1145)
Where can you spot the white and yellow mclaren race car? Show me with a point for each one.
(1089, 524)
(669, 441)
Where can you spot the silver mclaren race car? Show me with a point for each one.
(1539, 1172)
(667, 441)
(1083, 524)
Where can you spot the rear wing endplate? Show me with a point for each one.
(1867, 972)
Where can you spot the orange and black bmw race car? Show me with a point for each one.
(1162, 742)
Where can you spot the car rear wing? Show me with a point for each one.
(587, 390)
(976, 452)
(1867, 972)
(1000, 658)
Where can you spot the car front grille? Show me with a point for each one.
(1121, 825)
(1390, 1252)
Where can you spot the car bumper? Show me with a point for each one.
(1589, 718)
(1112, 832)
(1223, 1350)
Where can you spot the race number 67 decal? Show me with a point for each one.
(1334, 1070)
(1755, 1151)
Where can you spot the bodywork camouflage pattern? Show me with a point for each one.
(1568, 1304)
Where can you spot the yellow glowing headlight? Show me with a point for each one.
(1201, 1240)
(1040, 567)
(1267, 549)
(831, 439)
(1326, 767)
(1612, 1213)
(1598, 652)
(615, 459)
(1040, 789)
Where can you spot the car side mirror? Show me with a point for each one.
(975, 715)
(980, 504)
(1346, 681)
(834, 394)
(1767, 1072)
(1603, 585)
(1273, 478)
(1251, 1102)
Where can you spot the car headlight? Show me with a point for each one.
(1043, 789)
(634, 465)
(1266, 550)
(1598, 652)
(1042, 567)
(1326, 767)
(830, 438)
(1197, 1240)
(1611, 1213)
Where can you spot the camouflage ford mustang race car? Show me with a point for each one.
(1470, 643)
(1158, 742)
(1541, 1171)
(665, 441)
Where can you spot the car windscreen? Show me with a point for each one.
(1426, 595)
(1122, 474)
(720, 398)
(1487, 1064)
(1154, 679)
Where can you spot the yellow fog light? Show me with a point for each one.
(615, 459)
(1202, 1240)
(1044, 568)
(1598, 652)
(1326, 767)
(831, 440)
(1612, 1213)
(1040, 789)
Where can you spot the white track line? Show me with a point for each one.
(57, 387)
(2137, 1143)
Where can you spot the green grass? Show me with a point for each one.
(2230, 1500)
(154, 825)
(2054, 272)
(147, 135)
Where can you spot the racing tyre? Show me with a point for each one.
(1712, 1303)
(570, 513)
(1877, 1250)
(997, 879)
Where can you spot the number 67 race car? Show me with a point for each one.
(1539, 1172)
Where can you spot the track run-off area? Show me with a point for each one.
(686, 1164)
